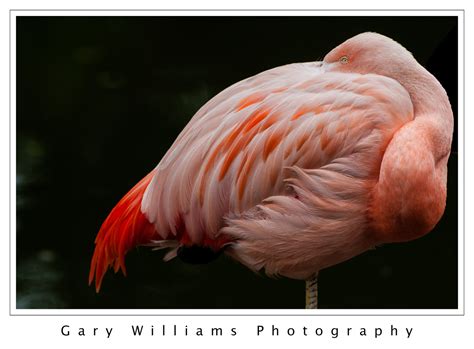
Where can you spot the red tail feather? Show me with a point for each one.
(125, 227)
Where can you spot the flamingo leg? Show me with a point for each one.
(312, 292)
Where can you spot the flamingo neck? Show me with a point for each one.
(427, 94)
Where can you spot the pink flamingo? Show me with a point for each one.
(297, 168)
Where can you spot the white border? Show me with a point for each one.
(240, 312)
(240, 12)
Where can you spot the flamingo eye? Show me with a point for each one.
(344, 60)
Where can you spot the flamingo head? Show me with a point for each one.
(371, 53)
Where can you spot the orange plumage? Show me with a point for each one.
(125, 227)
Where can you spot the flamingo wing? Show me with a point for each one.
(285, 150)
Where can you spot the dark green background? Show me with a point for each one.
(100, 100)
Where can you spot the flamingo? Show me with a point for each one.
(297, 168)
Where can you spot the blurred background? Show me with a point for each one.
(100, 100)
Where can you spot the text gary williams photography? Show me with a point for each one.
(185, 330)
